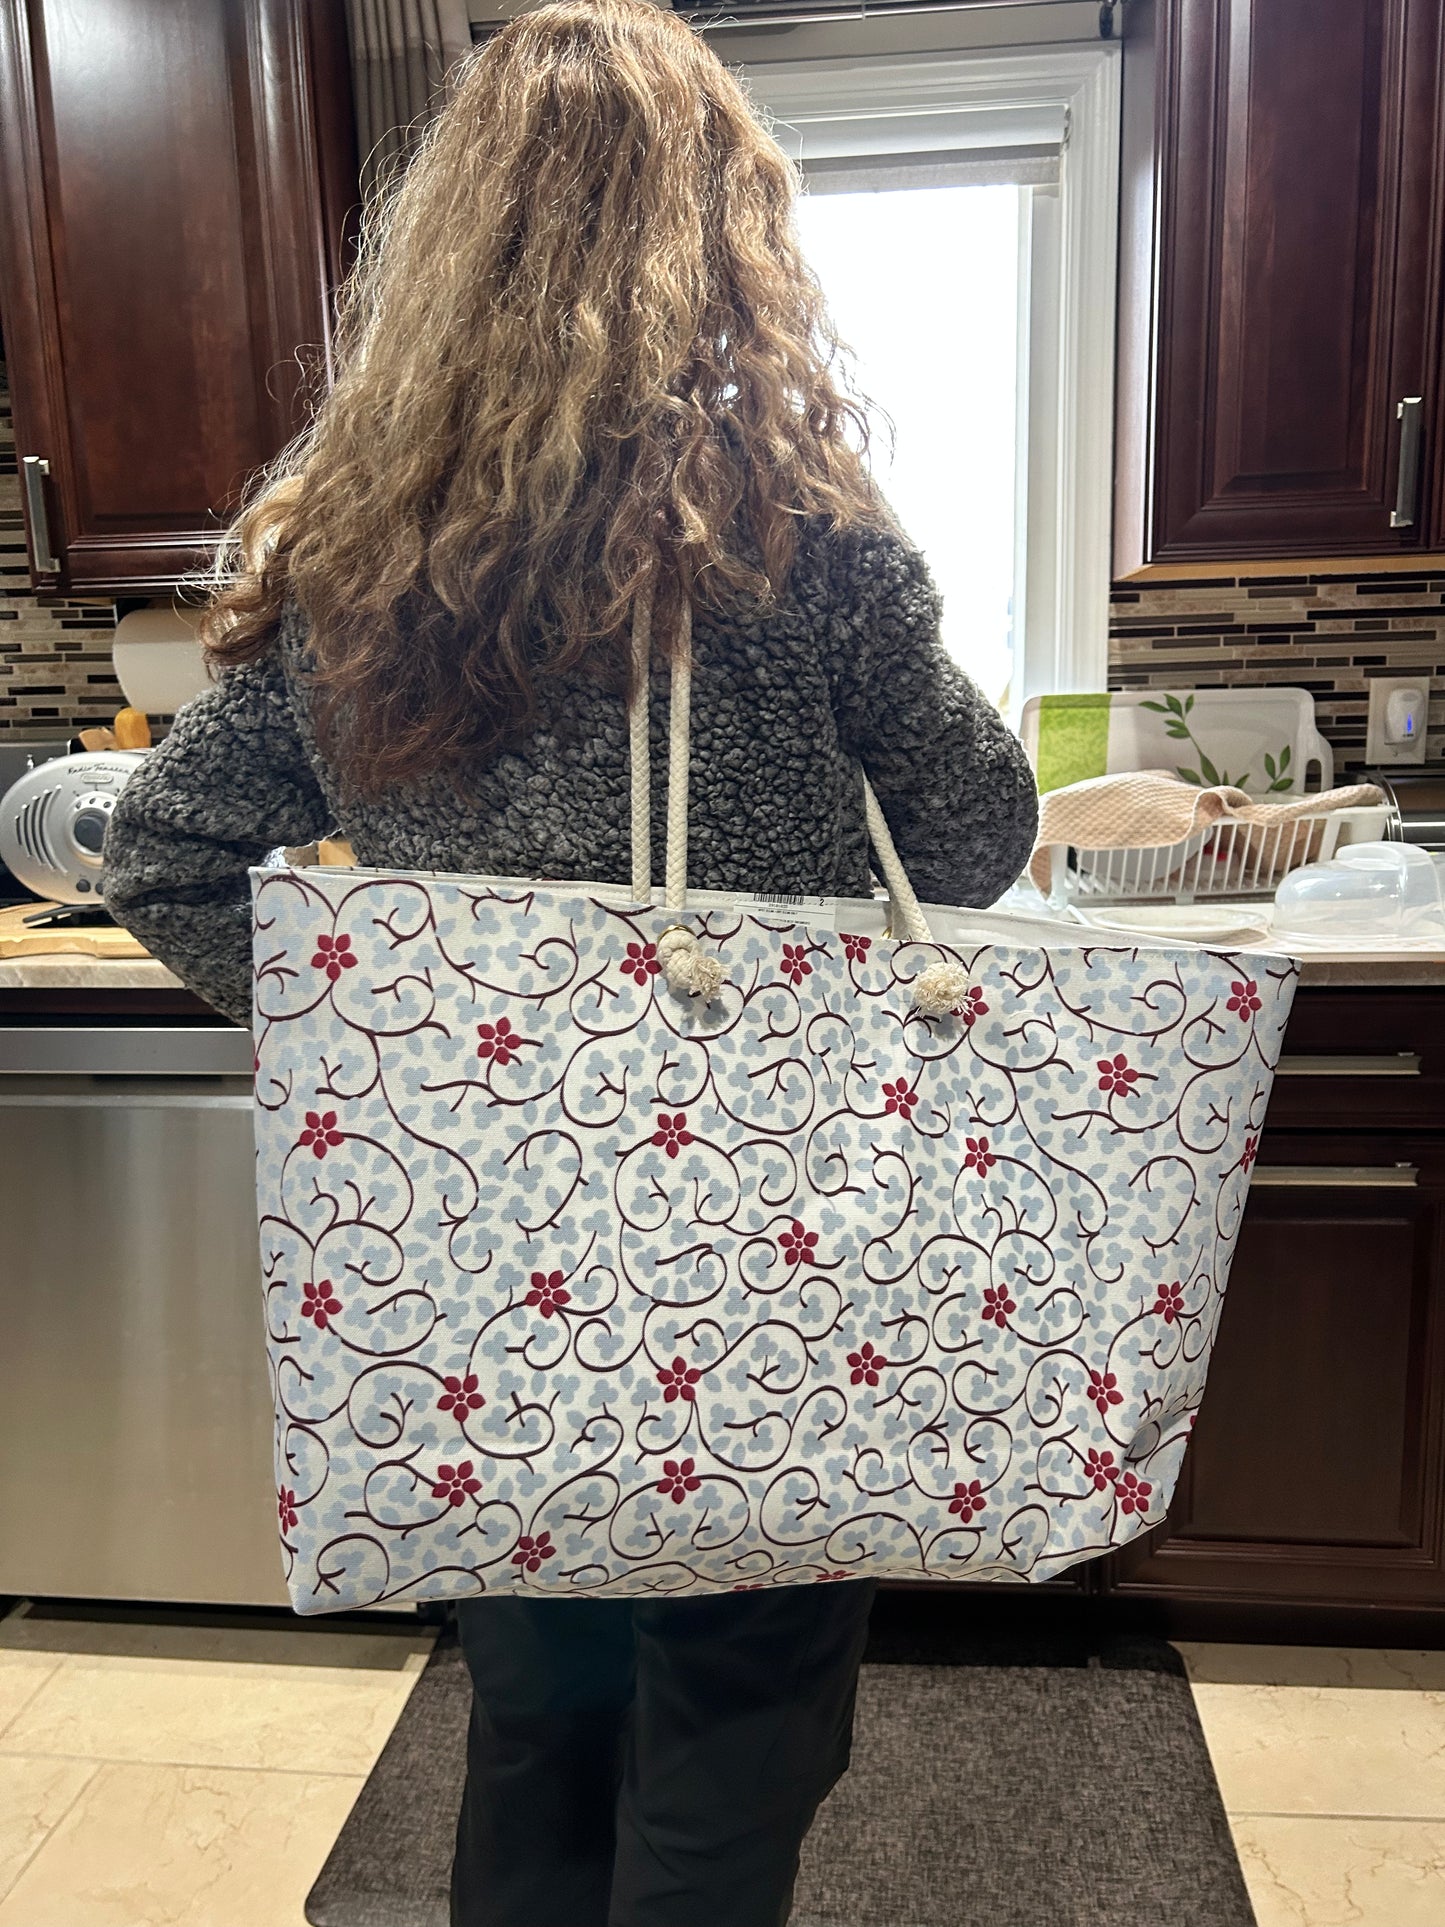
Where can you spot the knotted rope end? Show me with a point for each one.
(687, 967)
(939, 990)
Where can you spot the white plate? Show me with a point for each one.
(1185, 922)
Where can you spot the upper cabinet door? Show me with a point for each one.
(171, 179)
(1284, 216)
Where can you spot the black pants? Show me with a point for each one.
(651, 1763)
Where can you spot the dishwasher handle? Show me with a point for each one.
(125, 1050)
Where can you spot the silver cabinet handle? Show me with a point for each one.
(1348, 1177)
(1405, 1063)
(1411, 416)
(35, 469)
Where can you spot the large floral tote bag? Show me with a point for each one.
(621, 1246)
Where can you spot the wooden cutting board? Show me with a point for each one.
(105, 940)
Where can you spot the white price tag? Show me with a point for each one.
(791, 909)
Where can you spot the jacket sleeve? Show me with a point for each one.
(951, 776)
(230, 782)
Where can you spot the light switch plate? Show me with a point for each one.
(1378, 751)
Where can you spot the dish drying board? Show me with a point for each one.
(1264, 741)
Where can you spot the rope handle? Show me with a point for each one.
(674, 895)
(906, 918)
(905, 914)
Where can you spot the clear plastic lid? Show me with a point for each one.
(1367, 890)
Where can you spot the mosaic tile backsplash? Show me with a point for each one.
(55, 671)
(1327, 634)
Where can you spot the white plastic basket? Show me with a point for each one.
(1230, 859)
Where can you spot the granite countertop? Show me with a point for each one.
(90, 958)
(1348, 966)
(62, 972)
(1339, 969)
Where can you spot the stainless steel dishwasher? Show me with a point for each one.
(135, 1415)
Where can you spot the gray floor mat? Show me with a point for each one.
(1012, 1786)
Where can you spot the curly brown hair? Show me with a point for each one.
(581, 359)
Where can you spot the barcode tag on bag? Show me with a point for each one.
(817, 910)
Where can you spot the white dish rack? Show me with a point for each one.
(1229, 859)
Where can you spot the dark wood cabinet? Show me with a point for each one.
(174, 185)
(1315, 1478)
(1315, 1472)
(1283, 238)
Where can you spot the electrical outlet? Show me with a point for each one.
(1398, 719)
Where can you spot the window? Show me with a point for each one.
(923, 283)
(960, 215)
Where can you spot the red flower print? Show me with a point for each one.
(321, 1134)
(1170, 1302)
(498, 1042)
(672, 1132)
(321, 1303)
(286, 1507)
(798, 1245)
(842, 1573)
(1250, 1153)
(678, 1380)
(1244, 998)
(979, 1158)
(967, 1500)
(748, 1585)
(1115, 1075)
(1100, 1467)
(971, 1009)
(1133, 1493)
(1104, 1390)
(867, 1364)
(856, 948)
(640, 963)
(547, 1293)
(531, 1552)
(461, 1396)
(898, 1097)
(680, 1478)
(795, 962)
(333, 955)
(454, 1482)
(997, 1305)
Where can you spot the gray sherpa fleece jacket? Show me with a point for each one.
(845, 672)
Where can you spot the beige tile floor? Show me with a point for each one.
(1332, 1767)
(196, 1776)
(183, 1776)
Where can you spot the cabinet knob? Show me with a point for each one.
(35, 469)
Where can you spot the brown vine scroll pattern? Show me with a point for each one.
(574, 1287)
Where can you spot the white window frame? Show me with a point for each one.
(1066, 364)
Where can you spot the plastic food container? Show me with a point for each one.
(1368, 891)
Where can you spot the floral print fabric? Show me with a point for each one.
(574, 1287)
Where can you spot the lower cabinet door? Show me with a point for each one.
(1315, 1471)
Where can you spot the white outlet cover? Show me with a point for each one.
(1379, 749)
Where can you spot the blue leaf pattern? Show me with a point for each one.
(574, 1287)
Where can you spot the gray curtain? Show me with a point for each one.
(400, 53)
